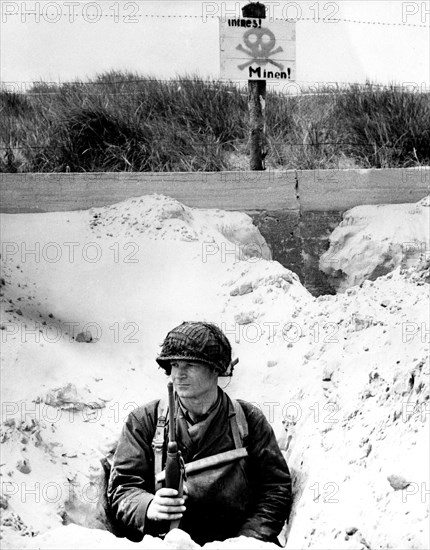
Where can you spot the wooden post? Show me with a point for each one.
(256, 102)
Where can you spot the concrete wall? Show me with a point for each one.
(294, 210)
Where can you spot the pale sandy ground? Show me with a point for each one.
(343, 379)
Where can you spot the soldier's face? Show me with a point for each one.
(192, 379)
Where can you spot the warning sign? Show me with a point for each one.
(257, 49)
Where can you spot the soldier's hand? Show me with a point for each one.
(166, 505)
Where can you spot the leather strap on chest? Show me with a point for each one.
(238, 426)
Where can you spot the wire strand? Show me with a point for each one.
(203, 145)
(326, 87)
(117, 16)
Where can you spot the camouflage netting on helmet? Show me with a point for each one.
(196, 341)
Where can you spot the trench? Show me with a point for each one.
(297, 240)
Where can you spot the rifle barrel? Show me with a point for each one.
(172, 436)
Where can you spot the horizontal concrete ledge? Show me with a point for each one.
(341, 190)
(76, 191)
(272, 190)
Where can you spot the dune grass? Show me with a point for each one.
(126, 122)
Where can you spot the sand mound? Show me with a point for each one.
(74, 537)
(163, 218)
(373, 240)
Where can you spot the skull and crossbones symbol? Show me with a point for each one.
(260, 44)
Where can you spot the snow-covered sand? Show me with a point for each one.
(343, 379)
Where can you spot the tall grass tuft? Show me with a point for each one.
(126, 122)
(388, 127)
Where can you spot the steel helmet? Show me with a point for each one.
(196, 341)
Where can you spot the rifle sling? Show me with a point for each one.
(209, 462)
(158, 441)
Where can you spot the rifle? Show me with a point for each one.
(175, 469)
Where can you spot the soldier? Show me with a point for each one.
(249, 495)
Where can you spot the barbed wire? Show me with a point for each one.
(78, 83)
(292, 20)
(206, 146)
(382, 23)
(225, 86)
(209, 16)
